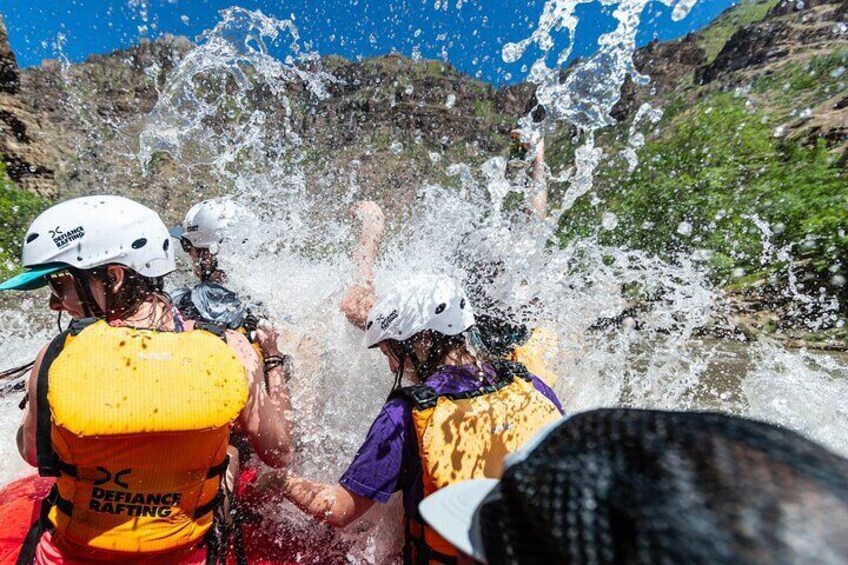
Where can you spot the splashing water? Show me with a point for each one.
(585, 95)
(206, 114)
(631, 329)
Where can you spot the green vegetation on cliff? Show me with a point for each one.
(715, 168)
(747, 12)
(18, 208)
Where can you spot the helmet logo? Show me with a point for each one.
(62, 239)
(195, 227)
(384, 321)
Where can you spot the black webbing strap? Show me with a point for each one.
(506, 370)
(211, 328)
(48, 461)
(421, 396)
(237, 534)
(424, 397)
(49, 464)
(219, 471)
(33, 537)
(416, 550)
(210, 506)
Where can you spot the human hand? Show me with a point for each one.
(357, 303)
(266, 336)
(370, 215)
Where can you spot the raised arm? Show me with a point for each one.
(539, 198)
(266, 425)
(360, 298)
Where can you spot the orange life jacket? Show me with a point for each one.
(135, 424)
(466, 436)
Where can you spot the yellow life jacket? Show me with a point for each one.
(532, 354)
(466, 436)
(138, 426)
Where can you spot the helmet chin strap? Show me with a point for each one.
(403, 350)
(90, 307)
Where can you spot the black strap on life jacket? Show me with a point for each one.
(423, 397)
(211, 328)
(505, 368)
(225, 534)
(41, 525)
(49, 463)
(415, 549)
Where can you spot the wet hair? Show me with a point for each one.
(440, 346)
(135, 290)
(500, 329)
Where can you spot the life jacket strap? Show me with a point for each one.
(507, 369)
(210, 506)
(214, 329)
(417, 551)
(33, 537)
(49, 464)
(423, 397)
(219, 470)
(48, 461)
(76, 326)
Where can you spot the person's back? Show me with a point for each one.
(154, 394)
(457, 421)
(130, 408)
(465, 419)
(201, 235)
(205, 228)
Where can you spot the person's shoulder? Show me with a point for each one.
(235, 338)
(397, 407)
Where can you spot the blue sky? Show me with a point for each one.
(470, 37)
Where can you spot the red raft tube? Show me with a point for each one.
(20, 505)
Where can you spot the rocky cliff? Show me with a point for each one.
(426, 108)
(24, 139)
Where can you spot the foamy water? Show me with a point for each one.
(294, 263)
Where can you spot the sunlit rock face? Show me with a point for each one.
(23, 141)
(789, 30)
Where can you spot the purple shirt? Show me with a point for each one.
(388, 459)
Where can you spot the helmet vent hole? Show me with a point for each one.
(139, 243)
(371, 323)
(441, 308)
(462, 304)
(166, 245)
(31, 237)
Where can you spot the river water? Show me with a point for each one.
(295, 264)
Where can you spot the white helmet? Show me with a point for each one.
(206, 222)
(423, 303)
(92, 231)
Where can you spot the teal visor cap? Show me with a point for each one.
(31, 279)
